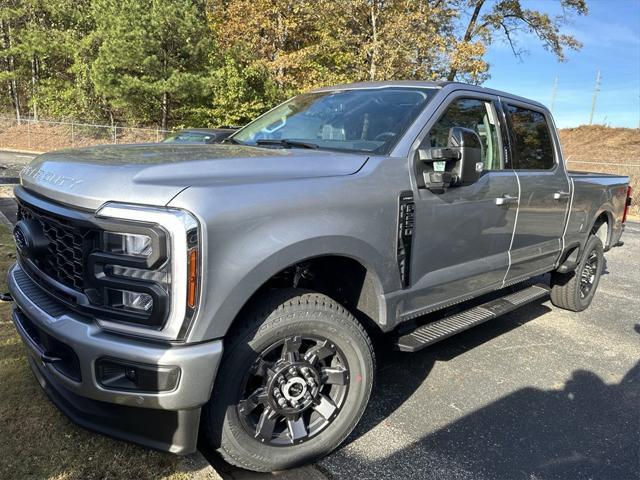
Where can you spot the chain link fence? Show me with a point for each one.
(45, 135)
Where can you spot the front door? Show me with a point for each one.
(462, 236)
(544, 192)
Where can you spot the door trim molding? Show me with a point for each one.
(515, 226)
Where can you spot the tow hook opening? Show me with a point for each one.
(6, 297)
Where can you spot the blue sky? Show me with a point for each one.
(611, 42)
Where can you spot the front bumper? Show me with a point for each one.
(166, 420)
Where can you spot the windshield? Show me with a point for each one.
(366, 120)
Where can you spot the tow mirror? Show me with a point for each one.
(468, 143)
(460, 163)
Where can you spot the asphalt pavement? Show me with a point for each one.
(539, 393)
(11, 162)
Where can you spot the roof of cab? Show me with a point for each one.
(426, 84)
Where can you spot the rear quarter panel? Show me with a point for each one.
(594, 194)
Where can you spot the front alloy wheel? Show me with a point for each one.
(294, 381)
(294, 390)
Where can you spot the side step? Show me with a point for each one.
(458, 322)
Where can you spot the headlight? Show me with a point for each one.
(147, 270)
(140, 302)
(128, 244)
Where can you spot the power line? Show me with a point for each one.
(595, 96)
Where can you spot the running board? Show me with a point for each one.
(438, 330)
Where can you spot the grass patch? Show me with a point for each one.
(38, 442)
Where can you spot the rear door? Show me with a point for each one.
(544, 190)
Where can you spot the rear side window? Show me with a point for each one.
(533, 149)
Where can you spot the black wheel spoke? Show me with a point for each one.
(249, 404)
(263, 368)
(325, 407)
(266, 425)
(320, 351)
(291, 348)
(334, 375)
(297, 429)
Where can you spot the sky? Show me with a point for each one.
(610, 34)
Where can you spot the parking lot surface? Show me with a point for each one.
(11, 162)
(539, 393)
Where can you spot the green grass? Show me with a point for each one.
(38, 442)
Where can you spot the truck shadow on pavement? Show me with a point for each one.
(585, 429)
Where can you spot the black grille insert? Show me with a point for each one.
(64, 257)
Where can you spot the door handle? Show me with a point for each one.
(507, 200)
(561, 195)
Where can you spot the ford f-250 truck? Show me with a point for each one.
(235, 288)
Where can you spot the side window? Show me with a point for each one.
(478, 115)
(533, 148)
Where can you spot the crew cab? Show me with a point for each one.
(165, 289)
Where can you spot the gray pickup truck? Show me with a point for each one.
(234, 289)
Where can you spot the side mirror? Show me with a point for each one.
(460, 163)
(468, 143)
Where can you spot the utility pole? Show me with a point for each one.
(595, 96)
(553, 93)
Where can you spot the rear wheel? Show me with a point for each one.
(575, 290)
(293, 384)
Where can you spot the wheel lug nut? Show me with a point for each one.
(276, 393)
(282, 402)
(293, 371)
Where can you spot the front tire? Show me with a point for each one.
(294, 382)
(575, 290)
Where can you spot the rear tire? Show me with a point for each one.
(289, 337)
(575, 290)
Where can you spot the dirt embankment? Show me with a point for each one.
(603, 149)
(45, 136)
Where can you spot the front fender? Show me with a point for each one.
(237, 290)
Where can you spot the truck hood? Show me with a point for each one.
(153, 174)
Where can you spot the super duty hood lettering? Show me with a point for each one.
(155, 173)
(49, 177)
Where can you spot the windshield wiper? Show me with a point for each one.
(232, 140)
(283, 142)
